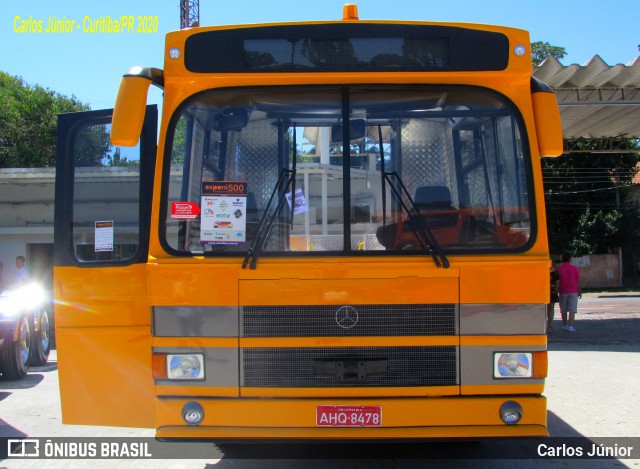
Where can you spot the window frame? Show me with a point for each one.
(515, 115)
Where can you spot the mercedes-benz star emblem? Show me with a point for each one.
(346, 317)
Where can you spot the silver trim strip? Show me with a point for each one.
(502, 319)
(195, 321)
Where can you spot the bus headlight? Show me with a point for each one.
(512, 365)
(185, 366)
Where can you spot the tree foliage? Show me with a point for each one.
(115, 158)
(28, 118)
(179, 146)
(587, 194)
(588, 211)
(543, 50)
(92, 146)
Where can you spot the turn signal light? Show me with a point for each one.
(159, 366)
(540, 365)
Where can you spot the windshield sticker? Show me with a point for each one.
(223, 219)
(301, 202)
(184, 210)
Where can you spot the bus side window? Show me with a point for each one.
(103, 191)
(106, 187)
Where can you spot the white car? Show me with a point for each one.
(24, 330)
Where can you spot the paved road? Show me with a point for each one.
(603, 320)
(593, 390)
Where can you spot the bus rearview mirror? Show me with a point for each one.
(128, 115)
(547, 120)
(356, 130)
(229, 121)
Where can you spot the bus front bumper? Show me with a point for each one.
(406, 418)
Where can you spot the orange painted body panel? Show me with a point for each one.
(480, 281)
(204, 342)
(102, 297)
(349, 291)
(506, 340)
(117, 349)
(496, 281)
(200, 391)
(103, 339)
(105, 376)
(354, 393)
(193, 283)
(500, 389)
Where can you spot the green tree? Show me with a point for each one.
(179, 147)
(116, 159)
(28, 120)
(92, 146)
(586, 196)
(588, 211)
(542, 50)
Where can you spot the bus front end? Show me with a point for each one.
(347, 236)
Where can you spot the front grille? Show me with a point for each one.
(373, 320)
(311, 367)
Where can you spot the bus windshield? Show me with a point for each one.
(357, 170)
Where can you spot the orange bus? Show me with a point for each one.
(338, 231)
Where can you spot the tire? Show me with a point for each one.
(16, 356)
(41, 341)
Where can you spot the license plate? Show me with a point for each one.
(348, 416)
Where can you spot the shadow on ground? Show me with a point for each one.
(597, 334)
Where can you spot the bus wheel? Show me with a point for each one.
(41, 344)
(15, 355)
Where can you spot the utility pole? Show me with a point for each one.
(189, 14)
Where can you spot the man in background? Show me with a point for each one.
(22, 275)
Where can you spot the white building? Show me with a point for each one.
(26, 221)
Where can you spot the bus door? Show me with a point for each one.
(102, 216)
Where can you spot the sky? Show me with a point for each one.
(89, 65)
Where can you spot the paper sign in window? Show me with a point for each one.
(103, 236)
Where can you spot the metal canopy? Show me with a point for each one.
(597, 101)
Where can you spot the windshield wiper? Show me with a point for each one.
(423, 233)
(262, 233)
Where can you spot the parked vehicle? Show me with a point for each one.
(24, 330)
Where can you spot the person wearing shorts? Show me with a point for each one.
(569, 290)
